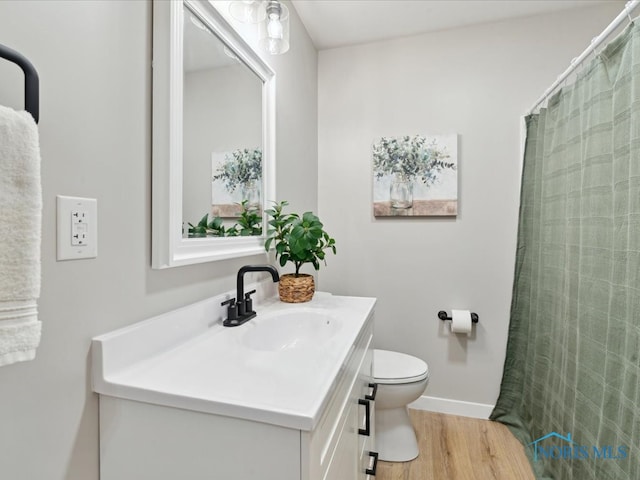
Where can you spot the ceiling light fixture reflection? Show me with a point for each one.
(229, 53)
(248, 11)
(198, 23)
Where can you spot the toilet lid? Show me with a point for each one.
(395, 367)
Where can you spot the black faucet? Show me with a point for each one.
(240, 309)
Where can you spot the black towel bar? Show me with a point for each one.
(31, 80)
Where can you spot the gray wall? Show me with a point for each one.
(476, 82)
(94, 61)
(222, 112)
(93, 58)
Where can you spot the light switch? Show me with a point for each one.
(77, 223)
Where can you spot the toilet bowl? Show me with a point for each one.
(401, 379)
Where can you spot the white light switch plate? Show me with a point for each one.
(77, 222)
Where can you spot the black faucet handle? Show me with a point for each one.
(248, 302)
(229, 302)
(232, 309)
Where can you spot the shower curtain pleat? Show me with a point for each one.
(573, 354)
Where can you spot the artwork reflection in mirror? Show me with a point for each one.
(222, 147)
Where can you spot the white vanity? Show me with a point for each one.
(286, 396)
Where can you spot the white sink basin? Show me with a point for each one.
(277, 368)
(288, 330)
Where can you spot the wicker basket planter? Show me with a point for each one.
(298, 289)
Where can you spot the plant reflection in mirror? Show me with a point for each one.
(249, 224)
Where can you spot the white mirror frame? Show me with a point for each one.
(169, 248)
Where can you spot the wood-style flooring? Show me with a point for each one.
(460, 448)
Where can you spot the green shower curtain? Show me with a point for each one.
(570, 388)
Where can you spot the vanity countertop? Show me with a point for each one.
(187, 359)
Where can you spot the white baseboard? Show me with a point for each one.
(452, 407)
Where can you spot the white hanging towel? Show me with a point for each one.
(20, 227)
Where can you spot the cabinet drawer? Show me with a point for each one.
(366, 443)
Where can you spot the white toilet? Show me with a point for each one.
(401, 379)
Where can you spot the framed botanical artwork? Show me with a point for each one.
(415, 176)
(236, 178)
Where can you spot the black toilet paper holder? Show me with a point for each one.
(442, 315)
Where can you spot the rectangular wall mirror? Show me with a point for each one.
(213, 138)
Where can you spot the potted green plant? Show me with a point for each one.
(298, 239)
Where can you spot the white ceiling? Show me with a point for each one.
(336, 23)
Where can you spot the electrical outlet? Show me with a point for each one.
(77, 222)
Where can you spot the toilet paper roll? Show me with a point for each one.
(460, 321)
